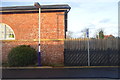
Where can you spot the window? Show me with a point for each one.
(6, 33)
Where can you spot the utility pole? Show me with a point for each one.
(39, 26)
(87, 32)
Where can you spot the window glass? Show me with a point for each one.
(6, 33)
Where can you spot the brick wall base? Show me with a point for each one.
(52, 52)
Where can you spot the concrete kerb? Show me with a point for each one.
(43, 67)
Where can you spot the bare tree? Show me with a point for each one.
(69, 34)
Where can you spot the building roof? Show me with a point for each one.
(44, 8)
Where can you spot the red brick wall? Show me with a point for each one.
(25, 27)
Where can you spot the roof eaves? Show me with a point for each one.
(43, 7)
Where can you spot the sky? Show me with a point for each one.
(95, 15)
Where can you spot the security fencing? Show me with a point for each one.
(102, 52)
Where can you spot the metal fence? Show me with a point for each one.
(103, 52)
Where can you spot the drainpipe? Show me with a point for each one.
(66, 20)
(39, 26)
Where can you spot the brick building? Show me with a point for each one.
(19, 25)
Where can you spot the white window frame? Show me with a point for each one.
(4, 32)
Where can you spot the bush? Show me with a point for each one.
(22, 55)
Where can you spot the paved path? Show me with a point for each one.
(61, 73)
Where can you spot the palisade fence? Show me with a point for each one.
(103, 52)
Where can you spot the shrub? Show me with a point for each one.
(22, 55)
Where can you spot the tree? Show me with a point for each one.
(101, 34)
(69, 34)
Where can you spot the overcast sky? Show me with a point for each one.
(95, 15)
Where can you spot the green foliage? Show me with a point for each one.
(22, 55)
(101, 35)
